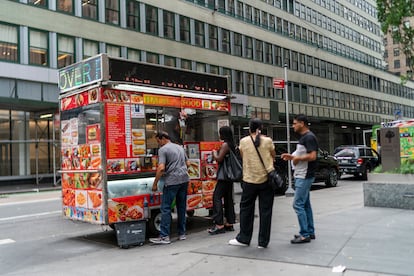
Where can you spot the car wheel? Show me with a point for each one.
(154, 223)
(364, 174)
(332, 179)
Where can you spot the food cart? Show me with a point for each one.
(110, 111)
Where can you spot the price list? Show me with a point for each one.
(115, 131)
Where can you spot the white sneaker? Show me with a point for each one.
(237, 243)
(160, 240)
(182, 237)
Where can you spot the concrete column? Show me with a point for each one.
(24, 40)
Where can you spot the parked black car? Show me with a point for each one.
(327, 170)
(358, 160)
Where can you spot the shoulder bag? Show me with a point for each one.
(273, 178)
(230, 169)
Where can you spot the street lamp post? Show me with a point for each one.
(289, 192)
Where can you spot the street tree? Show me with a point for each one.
(394, 17)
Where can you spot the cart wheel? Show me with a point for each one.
(154, 223)
(190, 213)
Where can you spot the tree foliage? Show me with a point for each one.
(393, 15)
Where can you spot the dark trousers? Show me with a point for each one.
(223, 192)
(247, 206)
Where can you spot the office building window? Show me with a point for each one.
(151, 20)
(134, 55)
(248, 47)
(213, 37)
(169, 25)
(237, 48)
(258, 50)
(231, 9)
(214, 69)
(66, 51)
(278, 56)
(323, 69)
(286, 57)
(316, 67)
(295, 60)
(64, 6)
(239, 10)
(113, 51)
(90, 9)
(239, 82)
(250, 83)
(268, 53)
(270, 91)
(302, 62)
(186, 64)
(153, 58)
(184, 29)
(199, 33)
(309, 65)
(260, 85)
(112, 11)
(132, 11)
(40, 3)
(38, 48)
(9, 43)
(169, 61)
(201, 67)
(90, 48)
(225, 41)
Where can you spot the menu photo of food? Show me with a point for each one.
(208, 186)
(133, 165)
(194, 201)
(95, 181)
(96, 162)
(95, 149)
(194, 187)
(138, 141)
(67, 180)
(137, 99)
(209, 171)
(208, 200)
(123, 97)
(109, 95)
(94, 199)
(115, 165)
(93, 95)
(194, 169)
(81, 199)
(126, 209)
(93, 133)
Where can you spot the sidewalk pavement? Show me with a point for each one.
(365, 240)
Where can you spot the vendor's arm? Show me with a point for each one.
(158, 174)
(219, 157)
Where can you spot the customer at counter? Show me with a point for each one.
(172, 168)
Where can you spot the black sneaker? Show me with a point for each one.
(215, 230)
(312, 236)
(300, 239)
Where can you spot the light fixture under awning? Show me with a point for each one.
(162, 91)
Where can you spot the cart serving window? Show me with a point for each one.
(111, 110)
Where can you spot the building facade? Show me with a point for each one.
(397, 62)
(332, 51)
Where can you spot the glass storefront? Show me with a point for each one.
(26, 145)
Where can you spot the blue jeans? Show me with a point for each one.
(303, 207)
(179, 192)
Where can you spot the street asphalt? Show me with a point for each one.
(360, 240)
